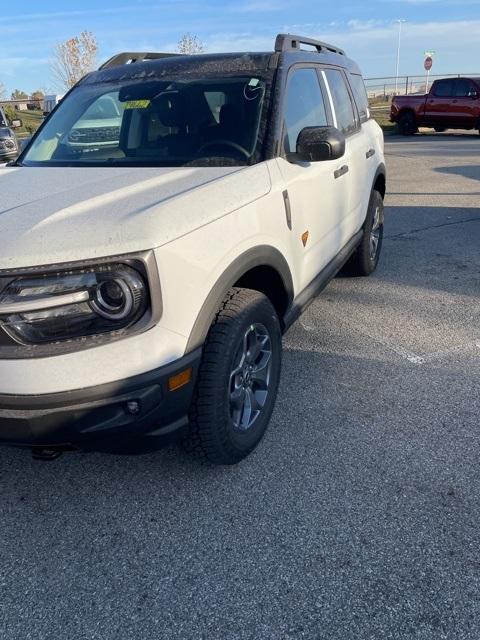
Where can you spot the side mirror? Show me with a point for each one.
(317, 144)
(16, 124)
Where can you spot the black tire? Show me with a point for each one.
(407, 124)
(439, 129)
(364, 261)
(243, 315)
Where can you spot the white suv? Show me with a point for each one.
(145, 283)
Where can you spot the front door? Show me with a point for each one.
(318, 192)
(438, 107)
(465, 104)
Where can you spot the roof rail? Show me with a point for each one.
(129, 57)
(287, 42)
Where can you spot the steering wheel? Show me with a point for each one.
(225, 143)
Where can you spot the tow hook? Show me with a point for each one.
(46, 454)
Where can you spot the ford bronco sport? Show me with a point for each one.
(146, 281)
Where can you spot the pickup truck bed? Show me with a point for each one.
(452, 103)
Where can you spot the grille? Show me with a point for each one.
(94, 135)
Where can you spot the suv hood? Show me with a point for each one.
(5, 132)
(50, 215)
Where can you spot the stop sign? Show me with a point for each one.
(428, 64)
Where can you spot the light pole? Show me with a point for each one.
(400, 22)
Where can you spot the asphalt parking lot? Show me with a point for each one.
(357, 518)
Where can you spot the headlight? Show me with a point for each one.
(73, 304)
(8, 144)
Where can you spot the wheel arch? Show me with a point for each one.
(406, 110)
(380, 180)
(261, 268)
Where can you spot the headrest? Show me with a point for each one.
(171, 109)
(230, 115)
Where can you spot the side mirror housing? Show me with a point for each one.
(317, 144)
(16, 124)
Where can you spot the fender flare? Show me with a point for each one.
(381, 171)
(263, 255)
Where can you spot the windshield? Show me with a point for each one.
(193, 121)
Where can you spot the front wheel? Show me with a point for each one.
(238, 379)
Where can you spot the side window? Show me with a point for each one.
(304, 106)
(215, 100)
(360, 95)
(464, 88)
(342, 103)
(443, 89)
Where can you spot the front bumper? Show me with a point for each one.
(101, 418)
(7, 156)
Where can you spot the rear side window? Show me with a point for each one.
(342, 103)
(304, 107)
(443, 89)
(464, 88)
(360, 95)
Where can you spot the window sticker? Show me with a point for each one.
(137, 104)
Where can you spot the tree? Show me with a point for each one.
(37, 96)
(74, 58)
(190, 45)
(18, 94)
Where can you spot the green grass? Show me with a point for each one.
(31, 121)
(381, 112)
(384, 122)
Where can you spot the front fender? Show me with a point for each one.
(262, 255)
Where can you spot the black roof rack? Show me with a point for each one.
(287, 42)
(129, 57)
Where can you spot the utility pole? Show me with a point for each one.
(400, 22)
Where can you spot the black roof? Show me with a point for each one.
(288, 51)
(216, 63)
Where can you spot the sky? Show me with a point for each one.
(366, 29)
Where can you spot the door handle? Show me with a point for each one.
(341, 172)
(370, 153)
(288, 209)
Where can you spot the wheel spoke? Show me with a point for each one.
(251, 401)
(253, 345)
(246, 417)
(261, 373)
(235, 373)
(237, 397)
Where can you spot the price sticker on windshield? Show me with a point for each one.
(137, 104)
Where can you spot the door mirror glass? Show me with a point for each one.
(317, 144)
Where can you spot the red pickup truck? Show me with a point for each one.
(452, 103)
